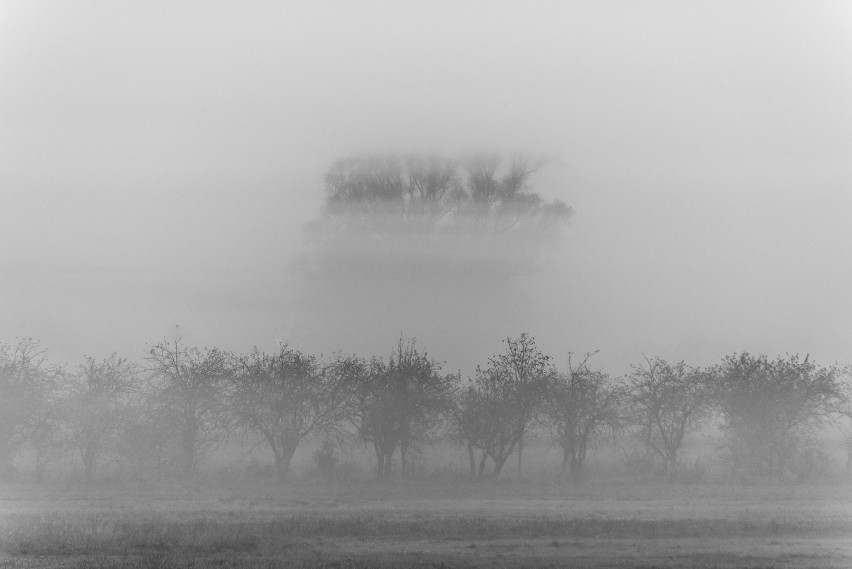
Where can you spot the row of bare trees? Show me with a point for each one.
(184, 400)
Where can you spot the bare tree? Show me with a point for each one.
(45, 432)
(667, 402)
(190, 393)
(771, 408)
(473, 424)
(400, 403)
(494, 413)
(582, 406)
(288, 396)
(24, 392)
(98, 396)
(506, 203)
(390, 193)
(433, 200)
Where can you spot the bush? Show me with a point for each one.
(643, 466)
(254, 470)
(325, 459)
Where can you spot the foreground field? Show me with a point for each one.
(420, 525)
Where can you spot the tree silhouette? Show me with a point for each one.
(400, 402)
(771, 408)
(667, 402)
(24, 393)
(190, 394)
(287, 396)
(495, 411)
(582, 406)
(95, 410)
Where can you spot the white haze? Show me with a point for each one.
(158, 161)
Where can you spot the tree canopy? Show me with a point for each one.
(772, 408)
(425, 193)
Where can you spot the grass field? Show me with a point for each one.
(417, 524)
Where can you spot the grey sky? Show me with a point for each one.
(158, 159)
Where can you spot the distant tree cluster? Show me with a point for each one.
(413, 215)
(163, 415)
(421, 238)
(425, 193)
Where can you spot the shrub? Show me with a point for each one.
(325, 459)
(643, 465)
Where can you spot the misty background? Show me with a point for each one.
(159, 162)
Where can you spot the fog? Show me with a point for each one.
(289, 283)
(160, 162)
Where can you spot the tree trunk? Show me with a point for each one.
(566, 455)
(383, 458)
(472, 460)
(289, 440)
(576, 466)
(380, 461)
(578, 458)
(283, 457)
(482, 464)
(520, 454)
(188, 449)
(498, 464)
(387, 465)
(280, 467)
(671, 466)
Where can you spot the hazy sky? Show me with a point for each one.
(159, 159)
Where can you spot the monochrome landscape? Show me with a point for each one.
(409, 284)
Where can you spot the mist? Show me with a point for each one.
(162, 161)
(350, 209)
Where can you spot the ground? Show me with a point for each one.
(425, 524)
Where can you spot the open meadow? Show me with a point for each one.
(409, 523)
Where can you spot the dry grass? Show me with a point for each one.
(408, 525)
